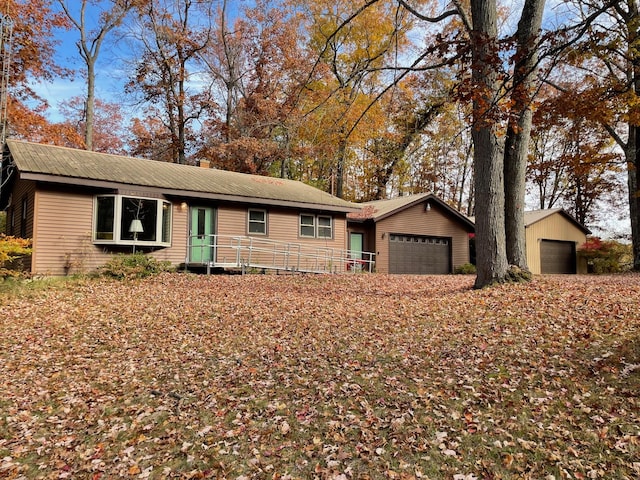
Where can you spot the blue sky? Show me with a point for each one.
(110, 77)
(111, 67)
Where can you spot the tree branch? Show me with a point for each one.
(426, 18)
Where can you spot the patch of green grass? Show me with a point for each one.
(12, 287)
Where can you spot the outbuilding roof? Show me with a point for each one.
(380, 209)
(80, 167)
(534, 216)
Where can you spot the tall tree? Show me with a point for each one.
(90, 43)
(34, 43)
(226, 62)
(519, 129)
(32, 57)
(496, 95)
(257, 67)
(353, 41)
(573, 163)
(491, 254)
(172, 33)
(613, 74)
(150, 137)
(110, 132)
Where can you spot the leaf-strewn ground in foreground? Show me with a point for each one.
(328, 377)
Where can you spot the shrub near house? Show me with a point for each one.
(606, 256)
(11, 249)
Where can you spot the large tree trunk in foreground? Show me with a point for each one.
(491, 256)
(519, 131)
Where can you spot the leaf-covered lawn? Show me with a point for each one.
(328, 377)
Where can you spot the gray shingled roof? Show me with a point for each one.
(534, 216)
(379, 209)
(81, 167)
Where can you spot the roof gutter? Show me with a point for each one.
(62, 180)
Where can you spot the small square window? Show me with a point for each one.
(257, 222)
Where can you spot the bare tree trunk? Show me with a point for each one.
(488, 157)
(180, 106)
(90, 103)
(633, 142)
(89, 49)
(519, 131)
(632, 154)
(340, 164)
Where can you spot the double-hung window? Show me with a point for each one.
(257, 222)
(125, 220)
(307, 225)
(316, 226)
(325, 229)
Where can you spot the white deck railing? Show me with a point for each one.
(222, 251)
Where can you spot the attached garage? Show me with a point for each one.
(557, 257)
(416, 254)
(552, 240)
(415, 234)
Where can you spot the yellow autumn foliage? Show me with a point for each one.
(13, 247)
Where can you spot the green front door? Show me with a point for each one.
(356, 245)
(201, 240)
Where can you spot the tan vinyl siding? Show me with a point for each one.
(16, 225)
(177, 253)
(62, 241)
(23, 190)
(415, 221)
(553, 227)
(63, 235)
(282, 226)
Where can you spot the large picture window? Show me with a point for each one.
(125, 220)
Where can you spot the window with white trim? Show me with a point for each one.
(325, 229)
(316, 226)
(123, 220)
(257, 222)
(307, 225)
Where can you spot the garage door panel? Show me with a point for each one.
(557, 257)
(413, 254)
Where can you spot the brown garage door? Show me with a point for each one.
(414, 254)
(557, 256)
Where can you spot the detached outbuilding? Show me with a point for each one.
(552, 240)
(415, 234)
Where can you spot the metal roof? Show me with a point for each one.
(80, 167)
